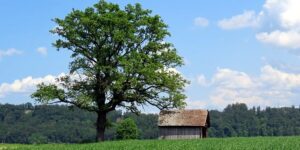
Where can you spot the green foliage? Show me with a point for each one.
(261, 143)
(60, 124)
(127, 129)
(238, 120)
(37, 138)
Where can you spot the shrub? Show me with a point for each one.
(127, 129)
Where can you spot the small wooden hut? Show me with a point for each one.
(183, 124)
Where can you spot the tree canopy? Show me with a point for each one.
(120, 58)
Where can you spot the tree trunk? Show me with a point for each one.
(101, 121)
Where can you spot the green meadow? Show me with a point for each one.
(262, 143)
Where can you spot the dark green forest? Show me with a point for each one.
(27, 123)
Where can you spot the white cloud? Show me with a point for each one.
(201, 80)
(232, 79)
(279, 79)
(221, 97)
(196, 104)
(9, 52)
(285, 15)
(25, 85)
(247, 19)
(289, 39)
(201, 22)
(272, 87)
(286, 12)
(42, 50)
(279, 22)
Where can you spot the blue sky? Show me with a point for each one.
(235, 51)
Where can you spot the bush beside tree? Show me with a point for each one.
(127, 129)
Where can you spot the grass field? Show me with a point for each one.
(265, 143)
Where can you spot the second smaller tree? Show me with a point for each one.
(127, 129)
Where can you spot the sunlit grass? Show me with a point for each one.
(265, 143)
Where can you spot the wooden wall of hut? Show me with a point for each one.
(181, 132)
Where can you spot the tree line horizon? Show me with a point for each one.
(27, 123)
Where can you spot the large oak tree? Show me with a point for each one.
(119, 59)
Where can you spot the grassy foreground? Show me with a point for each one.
(266, 143)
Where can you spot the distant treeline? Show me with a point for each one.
(237, 120)
(61, 124)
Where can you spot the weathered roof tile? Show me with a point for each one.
(183, 118)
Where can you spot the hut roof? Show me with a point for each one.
(184, 118)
